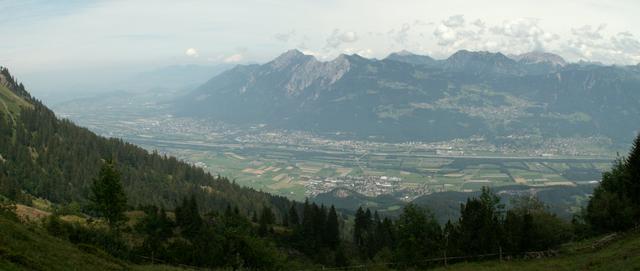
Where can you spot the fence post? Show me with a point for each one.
(445, 258)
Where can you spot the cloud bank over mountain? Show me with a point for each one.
(77, 37)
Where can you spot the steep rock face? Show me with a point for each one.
(303, 71)
(540, 62)
(540, 57)
(292, 73)
(469, 93)
(482, 62)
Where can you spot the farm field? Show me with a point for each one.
(298, 174)
(298, 165)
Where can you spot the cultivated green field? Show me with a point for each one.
(287, 171)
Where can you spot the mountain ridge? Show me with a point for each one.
(469, 93)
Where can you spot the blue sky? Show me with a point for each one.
(95, 38)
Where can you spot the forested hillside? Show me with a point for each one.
(43, 156)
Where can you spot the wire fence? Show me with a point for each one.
(444, 261)
(439, 261)
(154, 260)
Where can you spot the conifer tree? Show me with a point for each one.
(633, 168)
(294, 219)
(359, 228)
(107, 196)
(332, 229)
(615, 204)
(267, 218)
(188, 217)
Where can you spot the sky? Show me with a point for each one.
(58, 42)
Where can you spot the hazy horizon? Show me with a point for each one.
(79, 44)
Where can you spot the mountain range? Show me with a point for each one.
(414, 97)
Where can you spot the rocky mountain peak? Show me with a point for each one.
(465, 55)
(536, 57)
(411, 58)
(290, 58)
(319, 73)
(350, 58)
(481, 61)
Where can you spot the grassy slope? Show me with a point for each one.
(621, 254)
(10, 102)
(25, 247)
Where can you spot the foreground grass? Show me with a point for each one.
(24, 247)
(28, 247)
(621, 254)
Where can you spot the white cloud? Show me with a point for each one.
(454, 34)
(401, 36)
(338, 38)
(479, 23)
(591, 44)
(235, 58)
(454, 21)
(524, 34)
(41, 38)
(191, 52)
(510, 36)
(589, 32)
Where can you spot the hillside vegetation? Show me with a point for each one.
(51, 158)
(621, 254)
(29, 247)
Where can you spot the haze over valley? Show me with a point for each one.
(406, 126)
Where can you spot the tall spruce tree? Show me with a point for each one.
(332, 230)
(107, 197)
(267, 218)
(615, 204)
(632, 164)
(480, 223)
(294, 219)
(419, 237)
(188, 217)
(360, 227)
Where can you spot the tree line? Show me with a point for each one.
(308, 234)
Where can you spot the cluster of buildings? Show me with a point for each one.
(366, 185)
